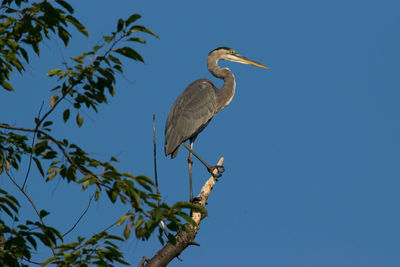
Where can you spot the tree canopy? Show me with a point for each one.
(87, 81)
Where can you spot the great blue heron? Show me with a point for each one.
(198, 104)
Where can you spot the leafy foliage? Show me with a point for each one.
(86, 81)
(99, 250)
(22, 27)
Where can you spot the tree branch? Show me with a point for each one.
(31, 154)
(184, 238)
(33, 205)
(80, 217)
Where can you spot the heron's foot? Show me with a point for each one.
(196, 200)
(219, 169)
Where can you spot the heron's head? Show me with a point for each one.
(226, 53)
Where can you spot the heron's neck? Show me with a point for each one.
(227, 91)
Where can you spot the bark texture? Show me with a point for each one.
(184, 238)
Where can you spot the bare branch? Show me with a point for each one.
(31, 155)
(155, 158)
(184, 238)
(80, 217)
(33, 204)
(143, 261)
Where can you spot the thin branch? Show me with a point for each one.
(109, 227)
(80, 217)
(33, 204)
(143, 261)
(185, 238)
(31, 154)
(155, 157)
(33, 262)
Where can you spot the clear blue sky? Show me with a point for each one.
(311, 147)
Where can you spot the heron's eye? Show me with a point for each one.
(232, 52)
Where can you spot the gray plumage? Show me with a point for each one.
(198, 104)
(190, 114)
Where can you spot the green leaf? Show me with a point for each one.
(122, 219)
(38, 165)
(64, 35)
(137, 39)
(108, 39)
(24, 54)
(43, 213)
(77, 25)
(188, 219)
(47, 123)
(65, 5)
(140, 28)
(54, 72)
(66, 114)
(7, 86)
(79, 120)
(97, 195)
(129, 52)
(120, 25)
(85, 184)
(188, 205)
(145, 179)
(114, 59)
(127, 231)
(132, 18)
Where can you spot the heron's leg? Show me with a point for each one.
(190, 162)
(219, 168)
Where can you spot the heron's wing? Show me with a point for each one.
(190, 114)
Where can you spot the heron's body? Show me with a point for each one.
(201, 100)
(190, 114)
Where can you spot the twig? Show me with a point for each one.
(155, 157)
(143, 261)
(112, 225)
(33, 205)
(83, 214)
(155, 173)
(31, 154)
(33, 262)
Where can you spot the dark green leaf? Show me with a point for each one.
(127, 231)
(120, 25)
(79, 120)
(136, 39)
(43, 213)
(7, 86)
(47, 123)
(188, 219)
(77, 25)
(108, 39)
(65, 5)
(38, 165)
(132, 18)
(191, 206)
(24, 54)
(129, 52)
(140, 28)
(66, 114)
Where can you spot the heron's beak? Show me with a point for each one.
(240, 59)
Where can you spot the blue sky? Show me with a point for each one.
(311, 146)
